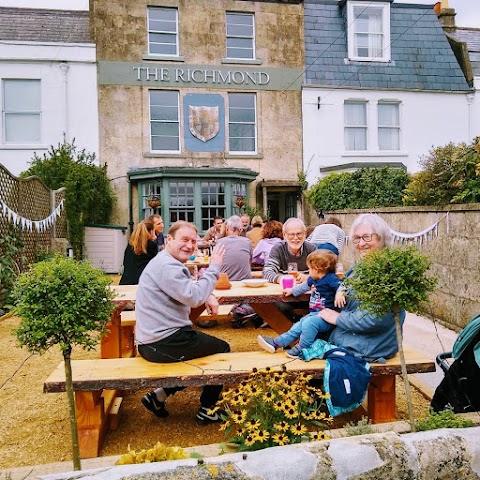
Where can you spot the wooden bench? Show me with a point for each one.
(95, 383)
(126, 332)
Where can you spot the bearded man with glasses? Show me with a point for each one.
(294, 249)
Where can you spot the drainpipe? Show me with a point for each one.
(64, 67)
(470, 97)
(130, 207)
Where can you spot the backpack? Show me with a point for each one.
(242, 313)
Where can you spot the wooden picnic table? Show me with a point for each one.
(119, 342)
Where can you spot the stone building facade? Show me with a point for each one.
(200, 104)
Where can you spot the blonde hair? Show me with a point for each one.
(140, 236)
(323, 260)
(257, 221)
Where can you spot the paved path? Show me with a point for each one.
(430, 338)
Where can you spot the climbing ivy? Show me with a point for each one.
(89, 195)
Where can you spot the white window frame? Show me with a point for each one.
(385, 55)
(396, 127)
(255, 124)
(18, 112)
(165, 32)
(350, 126)
(160, 121)
(242, 37)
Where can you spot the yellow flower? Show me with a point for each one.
(249, 440)
(282, 426)
(278, 405)
(261, 435)
(292, 403)
(268, 397)
(239, 416)
(280, 438)
(253, 423)
(290, 412)
(319, 436)
(211, 411)
(298, 429)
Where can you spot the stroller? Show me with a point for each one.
(460, 389)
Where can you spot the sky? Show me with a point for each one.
(468, 11)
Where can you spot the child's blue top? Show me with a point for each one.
(323, 296)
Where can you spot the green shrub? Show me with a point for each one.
(364, 188)
(11, 246)
(443, 419)
(392, 277)
(362, 427)
(89, 195)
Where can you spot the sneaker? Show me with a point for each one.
(267, 344)
(294, 352)
(152, 403)
(204, 418)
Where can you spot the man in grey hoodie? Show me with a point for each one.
(164, 333)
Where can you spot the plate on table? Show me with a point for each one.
(255, 282)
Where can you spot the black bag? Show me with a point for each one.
(243, 313)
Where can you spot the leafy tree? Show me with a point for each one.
(466, 174)
(62, 302)
(89, 195)
(392, 279)
(432, 186)
(364, 188)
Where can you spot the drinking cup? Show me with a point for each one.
(287, 281)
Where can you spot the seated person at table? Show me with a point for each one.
(238, 251)
(164, 333)
(140, 250)
(215, 232)
(271, 235)
(245, 224)
(293, 249)
(324, 285)
(255, 234)
(362, 333)
(329, 235)
(158, 224)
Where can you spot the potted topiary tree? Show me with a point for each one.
(62, 302)
(392, 279)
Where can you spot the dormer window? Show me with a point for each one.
(369, 31)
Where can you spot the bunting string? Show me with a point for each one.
(28, 224)
(417, 238)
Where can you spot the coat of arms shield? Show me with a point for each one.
(203, 122)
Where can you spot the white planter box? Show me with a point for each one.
(105, 246)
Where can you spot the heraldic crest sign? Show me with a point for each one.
(203, 122)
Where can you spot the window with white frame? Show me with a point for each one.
(355, 125)
(242, 123)
(22, 111)
(240, 36)
(162, 31)
(369, 31)
(164, 121)
(388, 125)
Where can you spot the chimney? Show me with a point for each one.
(445, 14)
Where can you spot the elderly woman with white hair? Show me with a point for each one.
(360, 332)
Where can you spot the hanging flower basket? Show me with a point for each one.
(153, 201)
(240, 201)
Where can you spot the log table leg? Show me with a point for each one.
(273, 316)
(381, 399)
(92, 410)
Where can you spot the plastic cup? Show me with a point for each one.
(287, 281)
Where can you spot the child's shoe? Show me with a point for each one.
(267, 344)
(294, 352)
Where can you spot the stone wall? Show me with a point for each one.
(454, 252)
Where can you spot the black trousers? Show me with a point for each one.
(186, 344)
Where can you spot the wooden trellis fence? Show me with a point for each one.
(31, 199)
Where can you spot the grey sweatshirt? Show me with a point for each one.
(165, 295)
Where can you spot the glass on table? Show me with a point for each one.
(292, 269)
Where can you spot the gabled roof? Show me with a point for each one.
(35, 25)
(421, 55)
(470, 36)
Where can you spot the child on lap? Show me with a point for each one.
(324, 284)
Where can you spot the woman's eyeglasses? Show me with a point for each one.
(366, 238)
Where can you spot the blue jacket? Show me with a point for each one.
(363, 334)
